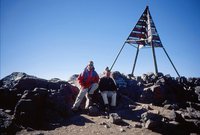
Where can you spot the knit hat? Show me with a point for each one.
(107, 69)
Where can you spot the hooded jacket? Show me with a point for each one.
(87, 78)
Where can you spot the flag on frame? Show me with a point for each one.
(144, 33)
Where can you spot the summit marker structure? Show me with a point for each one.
(144, 34)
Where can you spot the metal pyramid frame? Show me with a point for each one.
(144, 34)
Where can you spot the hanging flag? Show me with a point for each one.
(144, 33)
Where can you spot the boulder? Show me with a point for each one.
(9, 98)
(59, 102)
(93, 110)
(174, 91)
(1, 83)
(29, 83)
(5, 120)
(146, 96)
(151, 77)
(29, 110)
(133, 91)
(182, 80)
(11, 80)
(7, 125)
(26, 113)
(171, 106)
(120, 79)
(197, 91)
(197, 82)
(194, 114)
(145, 78)
(150, 124)
(115, 118)
(175, 116)
(158, 94)
(73, 80)
(151, 120)
(150, 116)
(191, 81)
(53, 86)
(36, 102)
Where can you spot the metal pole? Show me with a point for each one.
(117, 56)
(135, 60)
(151, 43)
(171, 62)
(154, 59)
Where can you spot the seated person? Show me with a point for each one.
(88, 81)
(108, 88)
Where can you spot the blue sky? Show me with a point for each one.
(57, 38)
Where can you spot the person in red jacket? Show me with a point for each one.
(88, 81)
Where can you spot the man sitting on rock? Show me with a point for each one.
(88, 81)
(108, 88)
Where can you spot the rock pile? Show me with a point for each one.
(159, 90)
(34, 102)
(180, 95)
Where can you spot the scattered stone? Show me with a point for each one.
(35, 101)
(146, 96)
(5, 120)
(129, 126)
(193, 113)
(106, 126)
(150, 124)
(122, 130)
(174, 123)
(115, 118)
(29, 129)
(132, 106)
(8, 111)
(174, 116)
(119, 79)
(147, 107)
(164, 120)
(171, 107)
(150, 116)
(155, 111)
(104, 117)
(102, 123)
(93, 110)
(137, 125)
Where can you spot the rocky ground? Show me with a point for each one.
(130, 123)
(145, 105)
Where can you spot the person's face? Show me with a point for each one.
(107, 74)
(90, 67)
